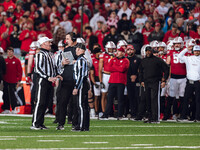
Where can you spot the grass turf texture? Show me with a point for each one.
(15, 133)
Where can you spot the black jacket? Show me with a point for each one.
(156, 36)
(2, 67)
(133, 67)
(152, 68)
(136, 39)
(68, 69)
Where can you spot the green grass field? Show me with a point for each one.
(15, 133)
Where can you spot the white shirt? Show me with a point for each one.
(192, 65)
(93, 22)
(67, 25)
(127, 11)
(162, 10)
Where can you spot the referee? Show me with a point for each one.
(81, 88)
(45, 68)
(193, 81)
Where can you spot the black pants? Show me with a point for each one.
(152, 92)
(113, 90)
(9, 96)
(133, 96)
(33, 91)
(189, 89)
(64, 93)
(81, 98)
(44, 91)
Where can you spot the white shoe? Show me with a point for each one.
(13, 112)
(6, 112)
(174, 117)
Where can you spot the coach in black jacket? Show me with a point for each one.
(151, 75)
(2, 67)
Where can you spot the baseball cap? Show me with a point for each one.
(196, 48)
(121, 49)
(148, 48)
(44, 39)
(130, 46)
(157, 24)
(42, 25)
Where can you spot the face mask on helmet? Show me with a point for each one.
(110, 45)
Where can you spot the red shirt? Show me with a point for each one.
(177, 66)
(192, 34)
(26, 42)
(106, 58)
(5, 42)
(95, 63)
(18, 15)
(169, 36)
(13, 70)
(118, 70)
(100, 39)
(77, 21)
(146, 34)
(7, 4)
(46, 33)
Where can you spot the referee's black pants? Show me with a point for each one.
(44, 91)
(113, 90)
(82, 107)
(189, 89)
(152, 92)
(64, 93)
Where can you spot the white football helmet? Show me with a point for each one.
(143, 52)
(110, 44)
(162, 44)
(60, 43)
(1, 50)
(34, 45)
(80, 40)
(121, 43)
(190, 42)
(154, 44)
(178, 40)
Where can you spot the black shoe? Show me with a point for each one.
(164, 119)
(44, 127)
(86, 130)
(55, 121)
(76, 130)
(103, 117)
(137, 119)
(147, 121)
(60, 127)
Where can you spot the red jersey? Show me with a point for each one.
(146, 34)
(106, 58)
(177, 66)
(118, 68)
(13, 70)
(163, 57)
(95, 63)
(169, 36)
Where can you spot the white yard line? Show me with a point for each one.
(110, 148)
(7, 139)
(141, 144)
(70, 136)
(95, 142)
(50, 140)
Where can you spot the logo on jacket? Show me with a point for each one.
(13, 62)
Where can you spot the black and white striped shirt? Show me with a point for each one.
(45, 64)
(80, 71)
(58, 59)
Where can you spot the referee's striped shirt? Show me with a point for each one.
(58, 60)
(45, 64)
(80, 71)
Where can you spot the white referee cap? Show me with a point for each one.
(44, 39)
(196, 48)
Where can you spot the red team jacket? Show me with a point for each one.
(118, 68)
(13, 70)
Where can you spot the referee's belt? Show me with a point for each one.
(106, 73)
(192, 81)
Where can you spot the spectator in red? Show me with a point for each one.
(90, 39)
(112, 19)
(88, 8)
(54, 13)
(18, 13)
(189, 33)
(27, 37)
(45, 9)
(8, 3)
(146, 31)
(104, 32)
(44, 31)
(146, 10)
(77, 19)
(33, 9)
(99, 27)
(5, 31)
(11, 80)
(171, 34)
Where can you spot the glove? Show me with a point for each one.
(102, 85)
(96, 85)
(28, 80)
